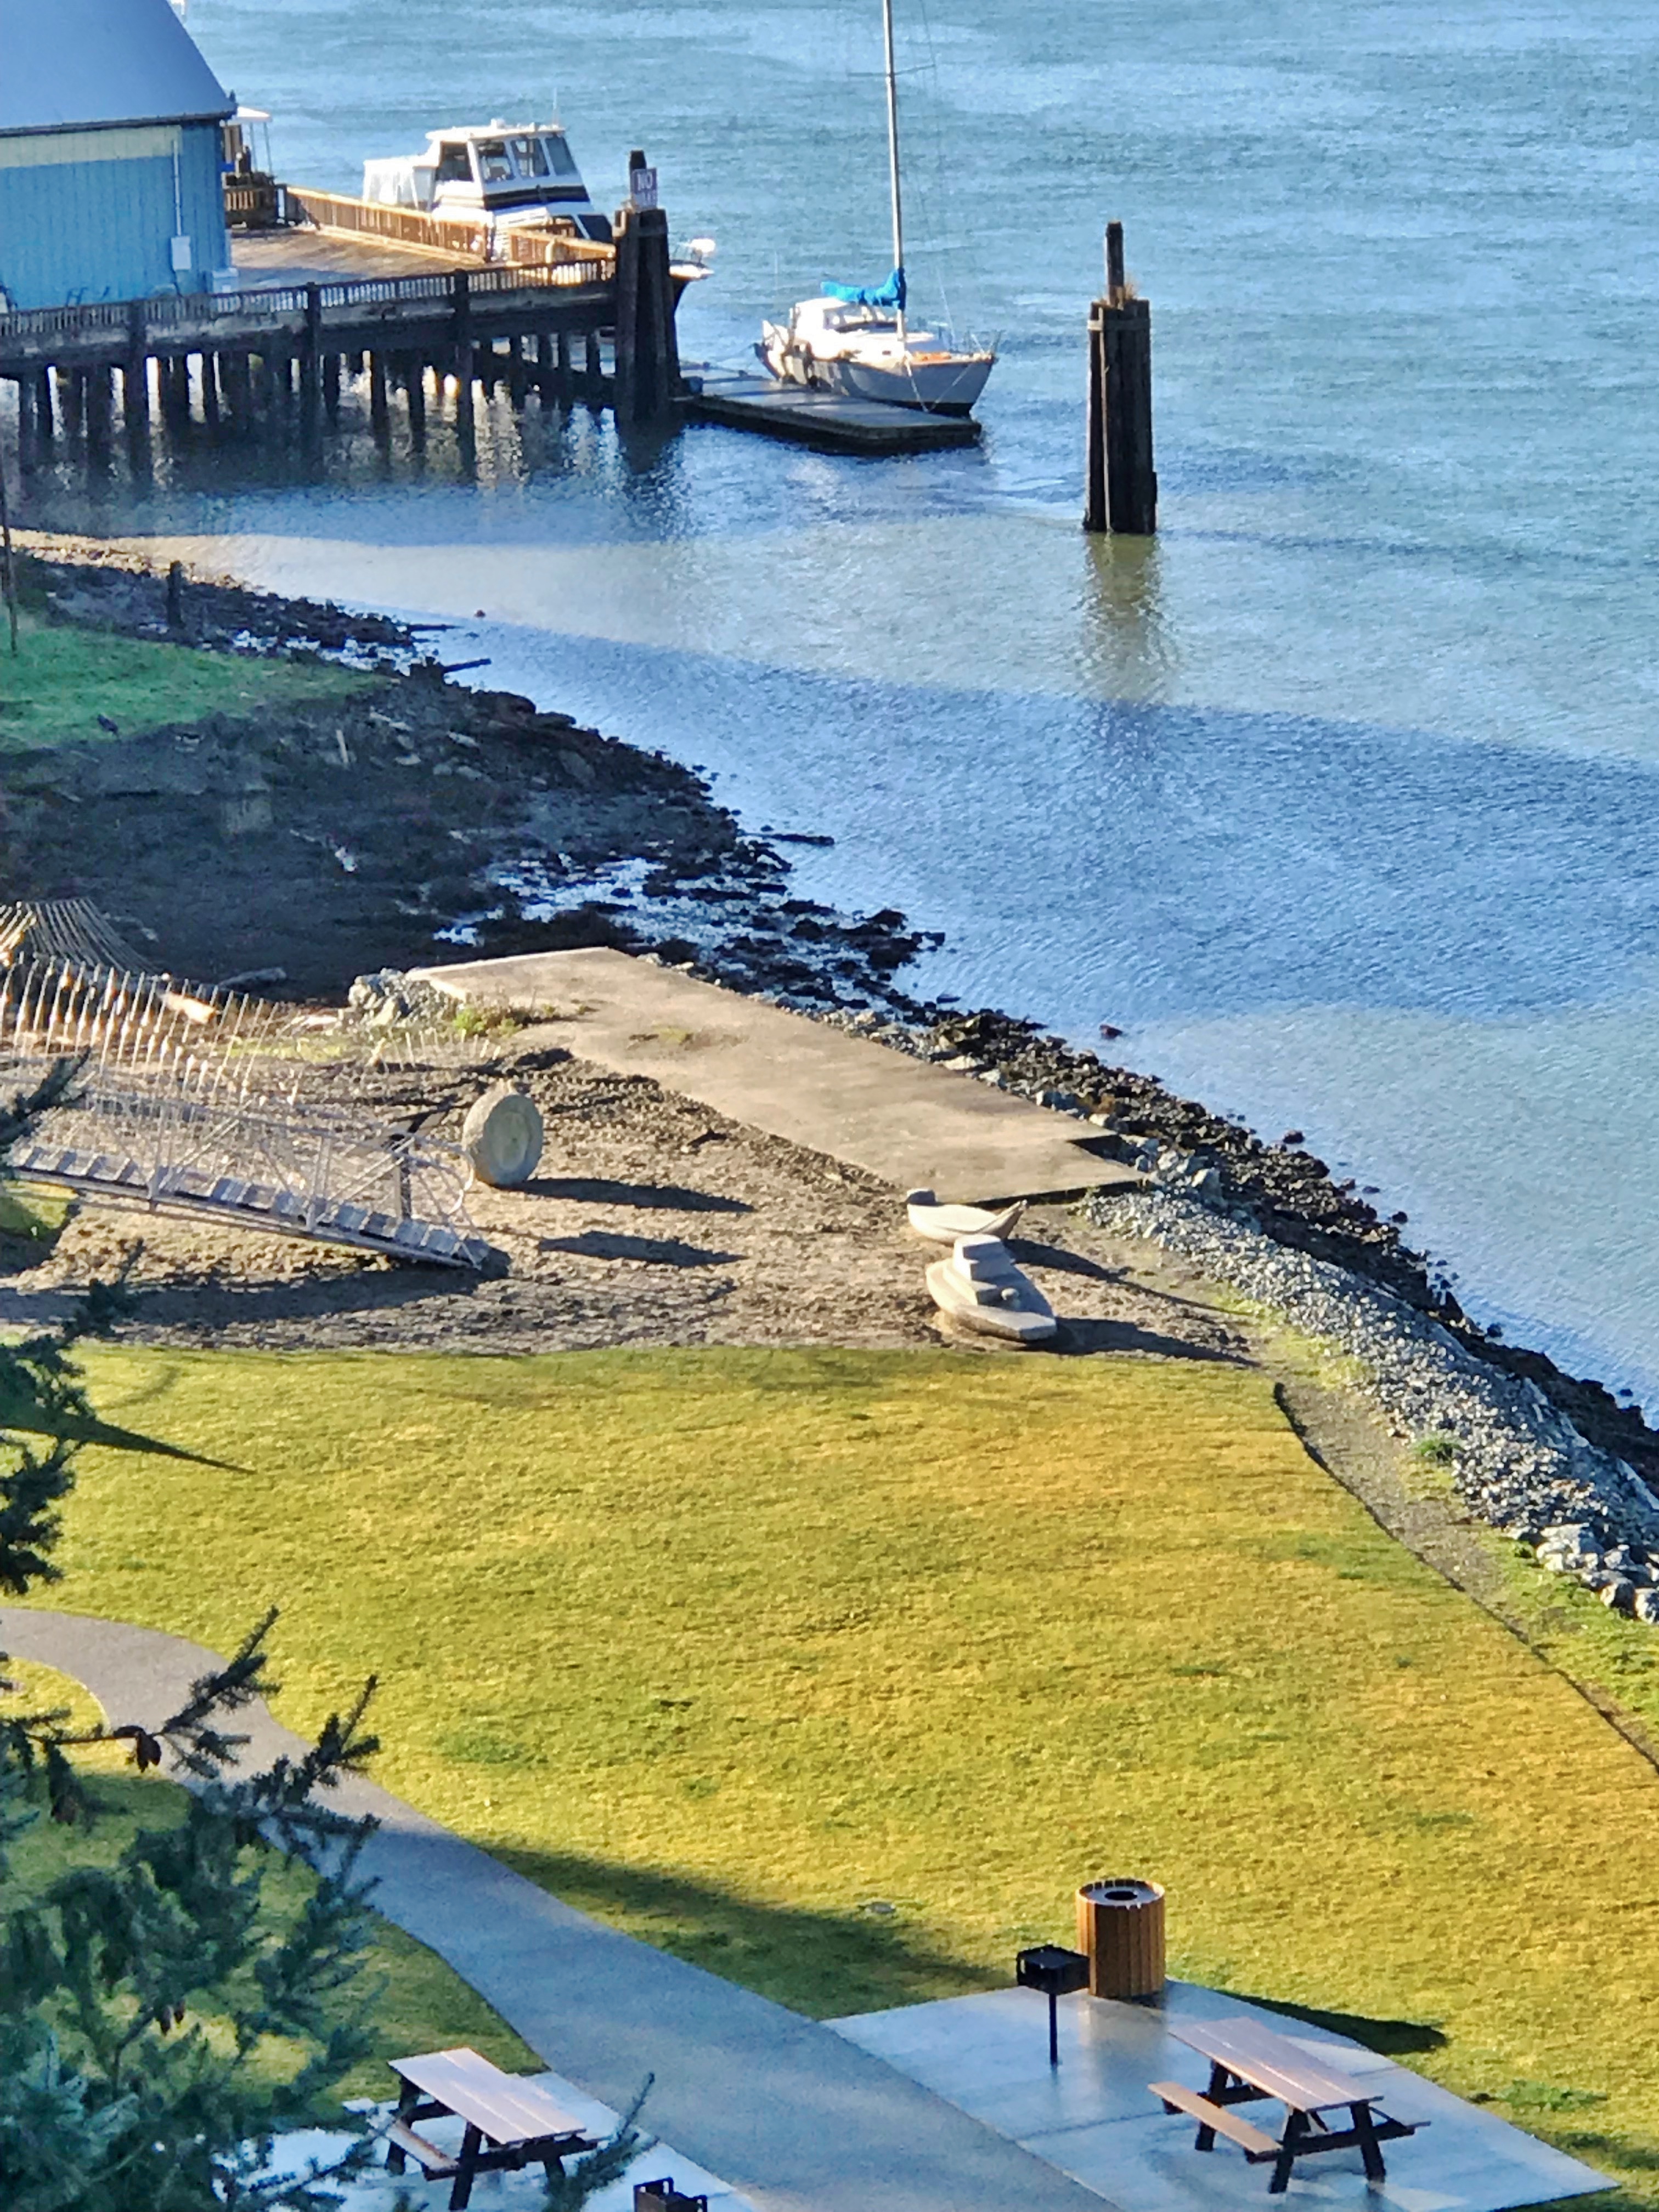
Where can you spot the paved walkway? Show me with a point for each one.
(790, 2114)
(913, 1124)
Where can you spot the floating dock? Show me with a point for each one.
(822, 419)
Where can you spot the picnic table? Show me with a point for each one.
(509, 2123)
(1249, 2060)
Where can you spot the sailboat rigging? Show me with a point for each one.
(856, 340)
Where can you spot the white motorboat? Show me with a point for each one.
(508, 174)
(980, 1288)
(944, 1224)
(856, 341)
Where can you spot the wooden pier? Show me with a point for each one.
(248, 359)
(822, 419)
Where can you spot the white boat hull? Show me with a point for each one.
(933, 381)
(937, 387)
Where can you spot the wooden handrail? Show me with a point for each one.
(463, 238)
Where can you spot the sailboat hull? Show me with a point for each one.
(937, 387)
(934, 382)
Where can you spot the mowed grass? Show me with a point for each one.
(64, 678)
(422, 2005)
(739, 1648)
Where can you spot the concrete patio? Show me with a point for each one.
(1094, 2118)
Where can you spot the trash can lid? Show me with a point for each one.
(1125, 1891)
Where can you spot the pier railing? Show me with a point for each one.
(452, 237)
(155, 317)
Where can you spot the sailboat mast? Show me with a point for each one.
(893, 148)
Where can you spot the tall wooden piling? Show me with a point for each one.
(1122, 484)
(461, 316)
(379, 414)
(100, 410)
(647, 378)
(311, 363)
(135, 375)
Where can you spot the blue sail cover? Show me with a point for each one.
(890, 294)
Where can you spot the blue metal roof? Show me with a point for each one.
(81, 63)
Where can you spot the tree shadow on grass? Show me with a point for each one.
(1393, 2038)
(824, 1963)
(19, 1410)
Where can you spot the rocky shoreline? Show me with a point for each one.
(543, 834)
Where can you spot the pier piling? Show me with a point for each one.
(647, 378)
(1121, 481)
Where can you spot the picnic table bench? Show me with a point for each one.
(1249, 2060)
(509, 2123)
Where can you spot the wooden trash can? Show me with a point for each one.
(1120, 1931)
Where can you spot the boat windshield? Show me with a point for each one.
(564, 160)
(529, 157)
(858, 319)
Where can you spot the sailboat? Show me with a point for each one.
(856, 341)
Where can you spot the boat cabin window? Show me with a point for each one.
(850, 317)
(559, 154)
(453, 168)
(528, 157)
(494, 162)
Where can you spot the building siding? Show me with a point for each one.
(98, 222)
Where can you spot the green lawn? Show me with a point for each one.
(64, 678)
(733, 1647)
(425, 2005)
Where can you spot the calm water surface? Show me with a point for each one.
(1338, 798)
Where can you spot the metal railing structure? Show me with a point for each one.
(170, 1110)
(194, 311)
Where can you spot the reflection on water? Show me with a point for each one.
(1126, 649)
(1339, 795)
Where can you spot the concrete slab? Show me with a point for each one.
(1094, 2118)
(909, 1123)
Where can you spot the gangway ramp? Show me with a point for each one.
(229, 1198)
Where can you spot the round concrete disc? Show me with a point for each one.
(502, 1136)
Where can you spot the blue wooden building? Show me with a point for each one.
(111, 153)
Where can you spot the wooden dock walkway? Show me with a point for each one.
(822, 419)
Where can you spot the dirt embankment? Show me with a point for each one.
(329, 838)
(651, 1220)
